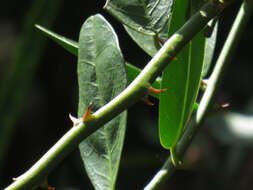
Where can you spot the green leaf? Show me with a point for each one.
(146, 16)
(101, 76)
(69, 45)
(149, 43)
(181, 78)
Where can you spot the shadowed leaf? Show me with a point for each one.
(146, 16)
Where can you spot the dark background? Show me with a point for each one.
(52, 95)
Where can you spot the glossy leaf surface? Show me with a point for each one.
(149, 43)
(146, 16)
(154, 24)
(181, 78)
(101, 76)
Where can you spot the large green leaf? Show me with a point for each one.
(146, 16)
(101, 76)
(181, 78)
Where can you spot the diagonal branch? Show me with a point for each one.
(135, 91)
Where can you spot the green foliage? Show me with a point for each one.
(182, 78)
(101, 76)
(147, 16)
(155, 21)
(72, 47)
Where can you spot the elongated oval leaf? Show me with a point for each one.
(101, 76)
(181, 79)
(146, 16)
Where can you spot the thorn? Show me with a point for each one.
(174, 158)
(75, 120)
(162, 41)
(45, 185)
(50, 188)
(220, 107)
(147, 101)
(156, 91)
(14, 178)
(226, 105)
(203, 84)
(87, 115)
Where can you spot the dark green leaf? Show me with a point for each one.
(181, 78)
(69, 45)
(149, 43)
(101, 76)
(146, 16)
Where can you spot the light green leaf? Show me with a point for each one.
(101, 76)
(146, 16)
(181, 78)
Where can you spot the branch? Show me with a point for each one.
(213, 83)
(135, 91)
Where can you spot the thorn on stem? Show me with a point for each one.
(203, 84)
(220, 107)
(75, 120)
(162, 41)
(147, 101)
(45, 185)
(173, 58)
(226, 105)
(156, 91)
(50, 188)
(87, 115)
